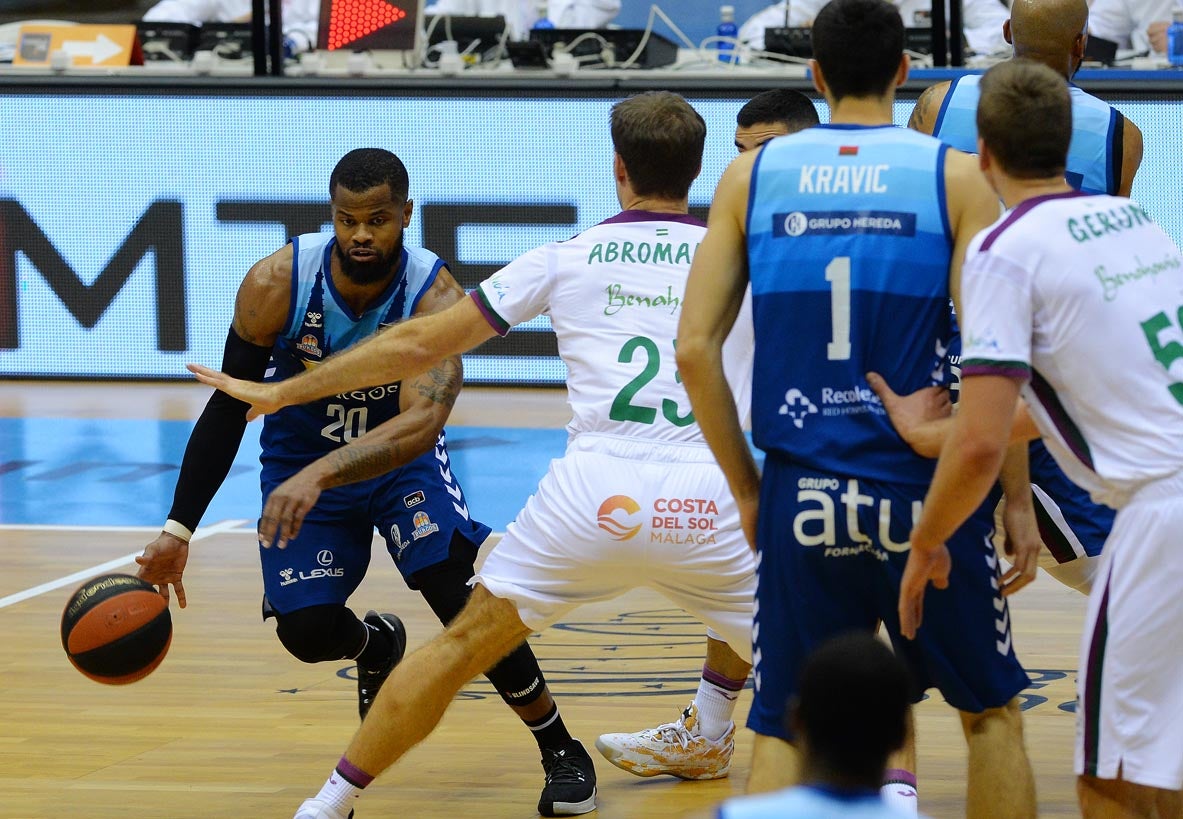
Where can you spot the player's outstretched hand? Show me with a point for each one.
(924, 565)
(916, 416)
(1022, 545)
(163, 563)
(286, 508)
(263, 398)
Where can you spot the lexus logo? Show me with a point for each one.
(324, 557)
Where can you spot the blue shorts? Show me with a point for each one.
(817, 579)
(1071, 524)
(418, 509)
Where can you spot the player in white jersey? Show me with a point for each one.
(637, 500)
(698, 744)
(1074, 300)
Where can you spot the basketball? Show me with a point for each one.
(116, 628)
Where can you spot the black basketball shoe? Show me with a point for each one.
(570, 781)
(370, 678)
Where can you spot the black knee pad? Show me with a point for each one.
(517, 678)
(316, 633)
(445, 587)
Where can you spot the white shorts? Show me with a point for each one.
(615, 513)
(1129, 718)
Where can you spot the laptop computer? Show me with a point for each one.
(795, 41)
(167, 42)
(228, 41)
(1099, 50)
(485, 31)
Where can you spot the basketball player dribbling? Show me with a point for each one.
(613, 294)
(336, 470)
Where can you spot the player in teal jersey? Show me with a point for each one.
(364, 460)
(1106, 147)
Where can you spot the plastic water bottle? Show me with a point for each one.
(728, 29)
(1175, 39)
(543, 21)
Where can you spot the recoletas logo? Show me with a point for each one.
(615, 524)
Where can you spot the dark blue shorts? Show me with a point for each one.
(417, 509)
(817, 579)
(1070, 523)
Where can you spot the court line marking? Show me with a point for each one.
(76, 577)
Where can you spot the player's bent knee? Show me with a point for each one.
(1007, 718)
(310, 634)
(487, 628)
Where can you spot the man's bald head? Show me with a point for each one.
(1049, 31)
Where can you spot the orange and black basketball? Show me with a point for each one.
(116, 628)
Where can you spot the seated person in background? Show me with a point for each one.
(850, 715)
(521, 15)
(301, 18)
(1140, 25)
(983, 20)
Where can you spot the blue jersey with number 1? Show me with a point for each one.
(849, 247)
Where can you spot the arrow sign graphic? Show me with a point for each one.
(100, 49)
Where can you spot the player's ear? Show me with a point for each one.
(901, 74)
(1006, 35)
(408, 209)
(819, 80)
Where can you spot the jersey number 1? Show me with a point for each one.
(838, 275)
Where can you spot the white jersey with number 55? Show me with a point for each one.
(614, 295)
(1082, 297)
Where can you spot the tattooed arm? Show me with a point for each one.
(424, 405)
(924, 115)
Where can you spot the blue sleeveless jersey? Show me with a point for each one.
(1094, 155)
(320, 323)
(848, 250)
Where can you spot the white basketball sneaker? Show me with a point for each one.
(676, 749)
(317, 809)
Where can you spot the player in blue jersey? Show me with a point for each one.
(1106, 147)
(851, 236)
(1104, 156)
(337, 469)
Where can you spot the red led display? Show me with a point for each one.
(350, 20)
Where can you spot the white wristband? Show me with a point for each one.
(177, 530)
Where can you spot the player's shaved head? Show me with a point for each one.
(1049, 31)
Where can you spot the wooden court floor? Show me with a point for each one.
(231, 726)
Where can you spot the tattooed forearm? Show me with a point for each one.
(358, 462)
(919, 120)
(441, 384)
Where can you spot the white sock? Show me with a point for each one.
(899, 791)
(339, 793)
(716, 700)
